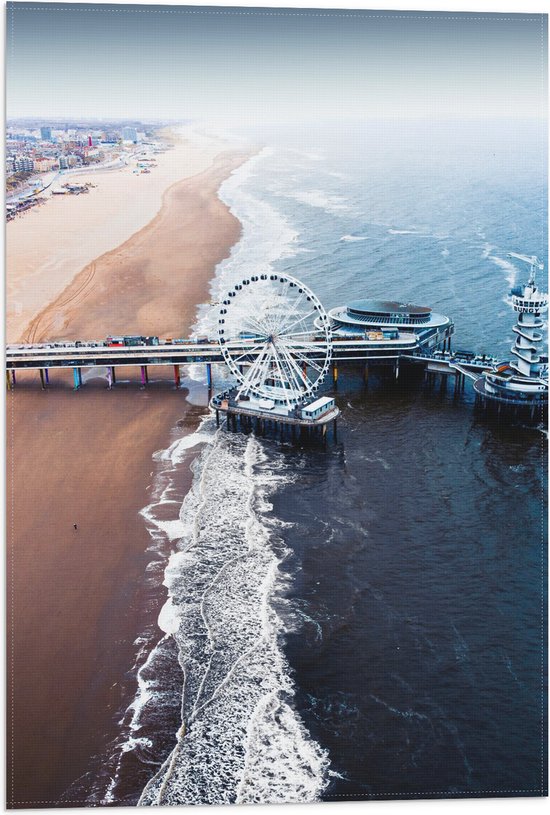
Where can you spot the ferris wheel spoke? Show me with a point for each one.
(249, 351)
(296, 368)
(309, 347)
(307, 360)
(288, 336)
(294, 386)
(270, 321)
(294, 310)
(313, 352)
(249, 379)
(286, 330)
(266, 370)
(254, 324)
(284, 292)
(278, 364)
(307, 350)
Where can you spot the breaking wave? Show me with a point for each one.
(240, 740)
(266, 237)
(329, 203)
(508, 267)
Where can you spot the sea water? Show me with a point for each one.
(362, 620)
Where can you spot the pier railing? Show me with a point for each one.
(96, 354)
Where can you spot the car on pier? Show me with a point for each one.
(129, 341)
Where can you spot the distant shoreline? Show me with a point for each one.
(51, 244)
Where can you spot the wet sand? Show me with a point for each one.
(85, 457)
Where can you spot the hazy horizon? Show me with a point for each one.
(245, 66)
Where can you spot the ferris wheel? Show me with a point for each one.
(275, 337)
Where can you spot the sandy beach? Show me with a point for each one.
(49, 244)
(85, 457)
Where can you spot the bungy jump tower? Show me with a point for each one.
(522, 382)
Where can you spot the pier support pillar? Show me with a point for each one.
(335, 374)
(335, 430)
(77, 378)
(209, 375)
(396, 369)
(177, 377)
(113, 376)
(217, 418)
(42, 380)
(8, 380)
(144, 375)
(13, 380)
(47, 376)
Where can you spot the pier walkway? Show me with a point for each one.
(45, 357)
(184, 352)
(454, 363)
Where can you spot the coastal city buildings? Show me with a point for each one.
(36, 149)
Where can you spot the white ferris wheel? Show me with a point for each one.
(275, 338)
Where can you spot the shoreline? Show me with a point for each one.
(71, 232)
(86, 458)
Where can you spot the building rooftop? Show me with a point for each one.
(321, 402)
(369, 306)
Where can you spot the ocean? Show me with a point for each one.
(364, 620)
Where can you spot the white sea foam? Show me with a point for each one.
(354, 238)
(94, 373)
(508, 267)
(417, 234)
(241, 741)
(266, 237)
(328, 202)
(177, 450)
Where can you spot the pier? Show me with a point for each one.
(247, 416)
(280, 346)
(48, 357)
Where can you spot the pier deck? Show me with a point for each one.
(92, 354)
(221, 403)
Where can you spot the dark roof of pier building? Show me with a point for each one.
(388, 308)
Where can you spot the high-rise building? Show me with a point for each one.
(24, 164)
(129, 134)
(46, 133)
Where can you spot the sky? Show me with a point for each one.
(245, 66)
